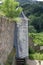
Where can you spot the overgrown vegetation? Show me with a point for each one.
(37, 38)
(37, 56)
(10, 8)
(38, 41)
(34, 11)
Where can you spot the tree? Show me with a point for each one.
(10, 8)
(32, 29)
(37, 22)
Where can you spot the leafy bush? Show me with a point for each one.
(31, 50)
(36, 56)
(10, 8)
(32, 29)
(37, 22)
(37, 38)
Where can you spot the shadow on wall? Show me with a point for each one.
(15, 35)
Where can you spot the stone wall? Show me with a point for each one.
(6, 37)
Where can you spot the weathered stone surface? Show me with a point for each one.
(6, 38)
(41, 47)
(22, 39)
(9, 35)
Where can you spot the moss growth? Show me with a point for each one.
(10, 57)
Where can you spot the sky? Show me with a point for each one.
(39, 0)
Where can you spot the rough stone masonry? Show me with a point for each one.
(6, 38)
(8, 32)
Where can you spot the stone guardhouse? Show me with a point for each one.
(21, 34)
(21, 39)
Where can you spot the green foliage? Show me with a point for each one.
(32, 9)
(37, 22)
(37, 38)
(35, 13)
(36, 56)
(32, 29)
(17, 19)
(10, 8)
(31, 50)
(0, 6)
